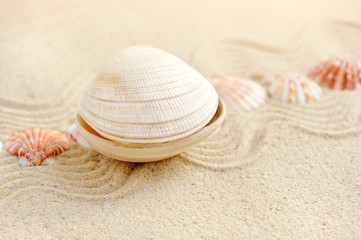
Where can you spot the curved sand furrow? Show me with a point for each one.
(79, 162)
(228, 159)
(57, 103)
(216, 166)
(95, 184)
(324, 124)
(124, 187)
(351, 23)
(334, 121)
(323, 121)
(328, 117)
(59, 115)
(61, 192)
(90, 172)
(68, 106)
(24, 123)
(98, 179)
(11, 128)
(350, 132)
(75, 164)
(263, 118)
(83, 172)
(208, 158)
(328, 102)
(70, 162)
(108, 182)
(241, 57)
(64, 104)
(346, 33)
(228, 144)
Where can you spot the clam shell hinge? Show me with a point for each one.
(238, 93)
(35, 146)
(295, 88)
(341, 72)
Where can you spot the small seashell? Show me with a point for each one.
(239, 94)
(342, 72)
(295, 88)
(1, 146)
(75, 135)
(35, 146)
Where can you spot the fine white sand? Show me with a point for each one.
(282, 171)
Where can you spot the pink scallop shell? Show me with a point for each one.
(341, 72)
(35, 146)
(295, 88)
(75, 135)
(238, 93)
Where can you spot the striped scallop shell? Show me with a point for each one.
(341, 72)
(34, 146)
(295, 88)
(239, 94)
(146, 95)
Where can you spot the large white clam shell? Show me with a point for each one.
(145, 96)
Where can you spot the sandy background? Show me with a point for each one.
(281, 171)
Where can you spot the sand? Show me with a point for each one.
(279, 172)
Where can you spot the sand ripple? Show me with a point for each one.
(74, 176)
(244, 135)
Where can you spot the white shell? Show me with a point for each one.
(238, 93)
(74, 134)
(146, 95)
(147, 152)
(1, 146)
(295, 88)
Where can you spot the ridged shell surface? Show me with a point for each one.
(295, 88)
(36, 145)
(238, 93)
(341, 72)
(146, 95)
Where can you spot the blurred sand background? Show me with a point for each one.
(279, 172)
